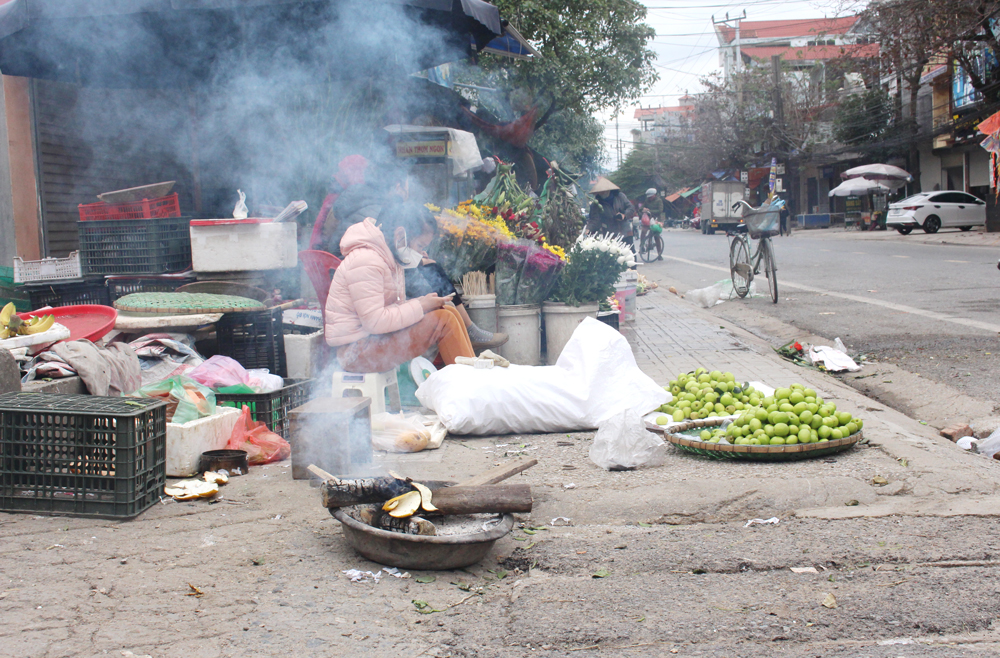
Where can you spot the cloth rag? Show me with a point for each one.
(105, 371)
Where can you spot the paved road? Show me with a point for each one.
(933, 308)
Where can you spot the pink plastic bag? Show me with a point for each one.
(261, 444)
(219, 372)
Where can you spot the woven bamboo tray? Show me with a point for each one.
(185, 303)
(755, 453)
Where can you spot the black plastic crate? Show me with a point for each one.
(77, 291)
(119, 286)
(272, 408)
(254, 339)
(81, 455)
(135, 246)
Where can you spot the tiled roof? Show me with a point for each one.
(802, 53)
(789, 28)
(651, 112)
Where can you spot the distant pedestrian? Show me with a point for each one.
(611, 212)
(783, 228)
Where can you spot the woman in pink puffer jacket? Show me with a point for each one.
(368, 317)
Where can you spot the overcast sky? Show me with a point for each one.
(687, 49)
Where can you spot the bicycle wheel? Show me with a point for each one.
(740, 269)
(646, 248)
(770, 268)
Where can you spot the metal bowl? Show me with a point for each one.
(233, 461)
(419, 552)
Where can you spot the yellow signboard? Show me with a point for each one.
(434, 149)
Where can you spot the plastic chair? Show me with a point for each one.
(318, 265)
(371, 385)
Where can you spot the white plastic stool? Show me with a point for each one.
(371, 385)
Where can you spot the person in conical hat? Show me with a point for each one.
(611, 212)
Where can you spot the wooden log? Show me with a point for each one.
(450, 500)
(341, 493)
(499, 474)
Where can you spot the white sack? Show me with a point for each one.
(595, 378)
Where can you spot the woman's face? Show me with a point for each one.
(603, 195)
(421, 242)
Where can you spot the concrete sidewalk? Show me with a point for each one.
(977, 237)
(259, 570)
(927, 474)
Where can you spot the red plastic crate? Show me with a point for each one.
(165, 206)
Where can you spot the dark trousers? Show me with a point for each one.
(425, 279)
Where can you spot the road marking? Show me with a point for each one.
(898, 256)
(956, 261)
(934, 315)
(859, 252)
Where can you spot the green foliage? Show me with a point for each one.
(866, 121)
(669, 166)
(595, 53)
(573, 139)
(589, 276)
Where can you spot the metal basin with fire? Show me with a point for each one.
(460, 542)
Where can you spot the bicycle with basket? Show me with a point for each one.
(758, 224)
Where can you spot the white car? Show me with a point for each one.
(933, 210)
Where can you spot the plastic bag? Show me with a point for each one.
(712, 295)
(399, 433)
(186, 399)
(990, 445)
(623, 443)
(220, 372)
(595, 377)
(261, 444)
(240, 211)
(510, 263)
(262, 381)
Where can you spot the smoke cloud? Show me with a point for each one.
(267, 99)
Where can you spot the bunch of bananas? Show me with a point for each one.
(11, 325)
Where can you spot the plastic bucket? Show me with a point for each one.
(561, 321)
(483, 311)
(522, 323)
(625, 294)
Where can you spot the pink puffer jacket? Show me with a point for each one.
(368, 293)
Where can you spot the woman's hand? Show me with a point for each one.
(427, 261)
(431, 302)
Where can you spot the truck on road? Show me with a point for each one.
(717, 201)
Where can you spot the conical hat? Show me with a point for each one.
(602, 184)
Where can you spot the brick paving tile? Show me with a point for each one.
(670, 336)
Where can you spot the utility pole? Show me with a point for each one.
(779, 106)
(738, 64)
(618, 144)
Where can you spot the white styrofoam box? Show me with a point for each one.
(186, 442)
(303, 354)
(243, 247)
(303, 317)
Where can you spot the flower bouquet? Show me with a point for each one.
(468, 240)
(593, 265)
(526, 272)
(540, 275)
